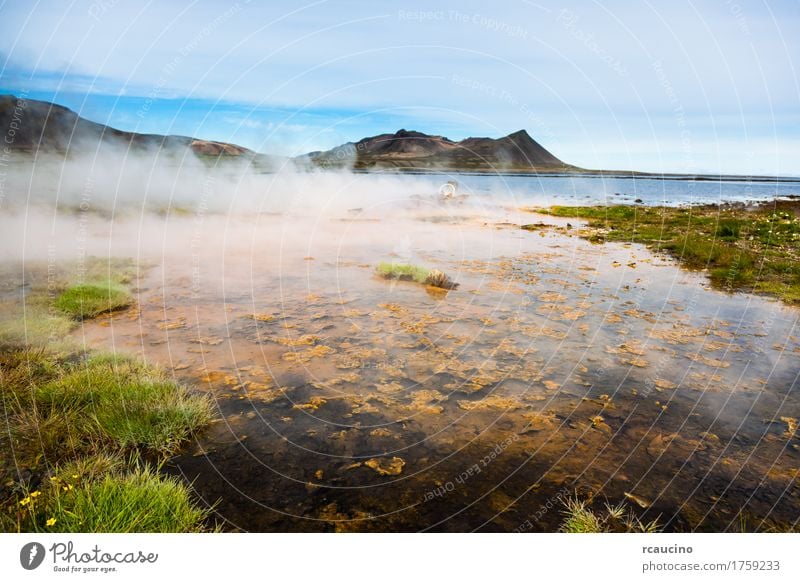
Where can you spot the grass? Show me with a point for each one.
(754, 249)
(77, 425)
(402, 272)
(138, 501)
(41, 303)
(81, 424)
(85, 301)
(96, 403)
(39, 324)
(579, 517)
(431, 277)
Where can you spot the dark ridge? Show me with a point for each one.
(38, 126)
(416, 150)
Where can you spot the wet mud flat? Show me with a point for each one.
(558, 367)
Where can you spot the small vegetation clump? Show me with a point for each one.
(121, 402)
(88, 405)
(75, 430)
(579, 517)
(751, 248)
(84, 301)
(76, 426)
(439, 279)
(434, 277)
(402, 272)
(43, 302)
(114, 501)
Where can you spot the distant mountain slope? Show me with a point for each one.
(41, 126)
(415, 150)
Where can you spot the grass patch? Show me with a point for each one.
(748, 248)
(137, 501)
(402, 272)
(79, 425)
(580, 517)
(84, 301)
(40, 303)
(40, 323)
(432, 277)
(96, 403)
(730, 229)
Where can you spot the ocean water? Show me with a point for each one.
(584, 190)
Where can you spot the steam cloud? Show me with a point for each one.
(148, 204)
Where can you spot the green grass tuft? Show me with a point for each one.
(402, 272)
(124, 402)
(579, 517)
(139, 501)
(83, 301)
(46, 300)
(72, 422)
(61, 408)
(730, 229)
(431, 277)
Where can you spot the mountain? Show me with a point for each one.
(415, 150)
(39, 126)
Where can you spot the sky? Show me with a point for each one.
(682, 86)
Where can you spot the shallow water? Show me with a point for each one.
(348, 402)
(610, 189)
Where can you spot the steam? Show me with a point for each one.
(151, 204)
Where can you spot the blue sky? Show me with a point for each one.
(679, 86)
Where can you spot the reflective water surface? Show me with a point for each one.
(352, 403)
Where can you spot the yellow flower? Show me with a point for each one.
(67, 487)
(25, 501)
(75, 476)
(36, 494)
(50, 522)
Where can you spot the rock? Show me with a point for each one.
(791, 425)
(599, 423)
(709, 436)
(383, 466)
(658, 445)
